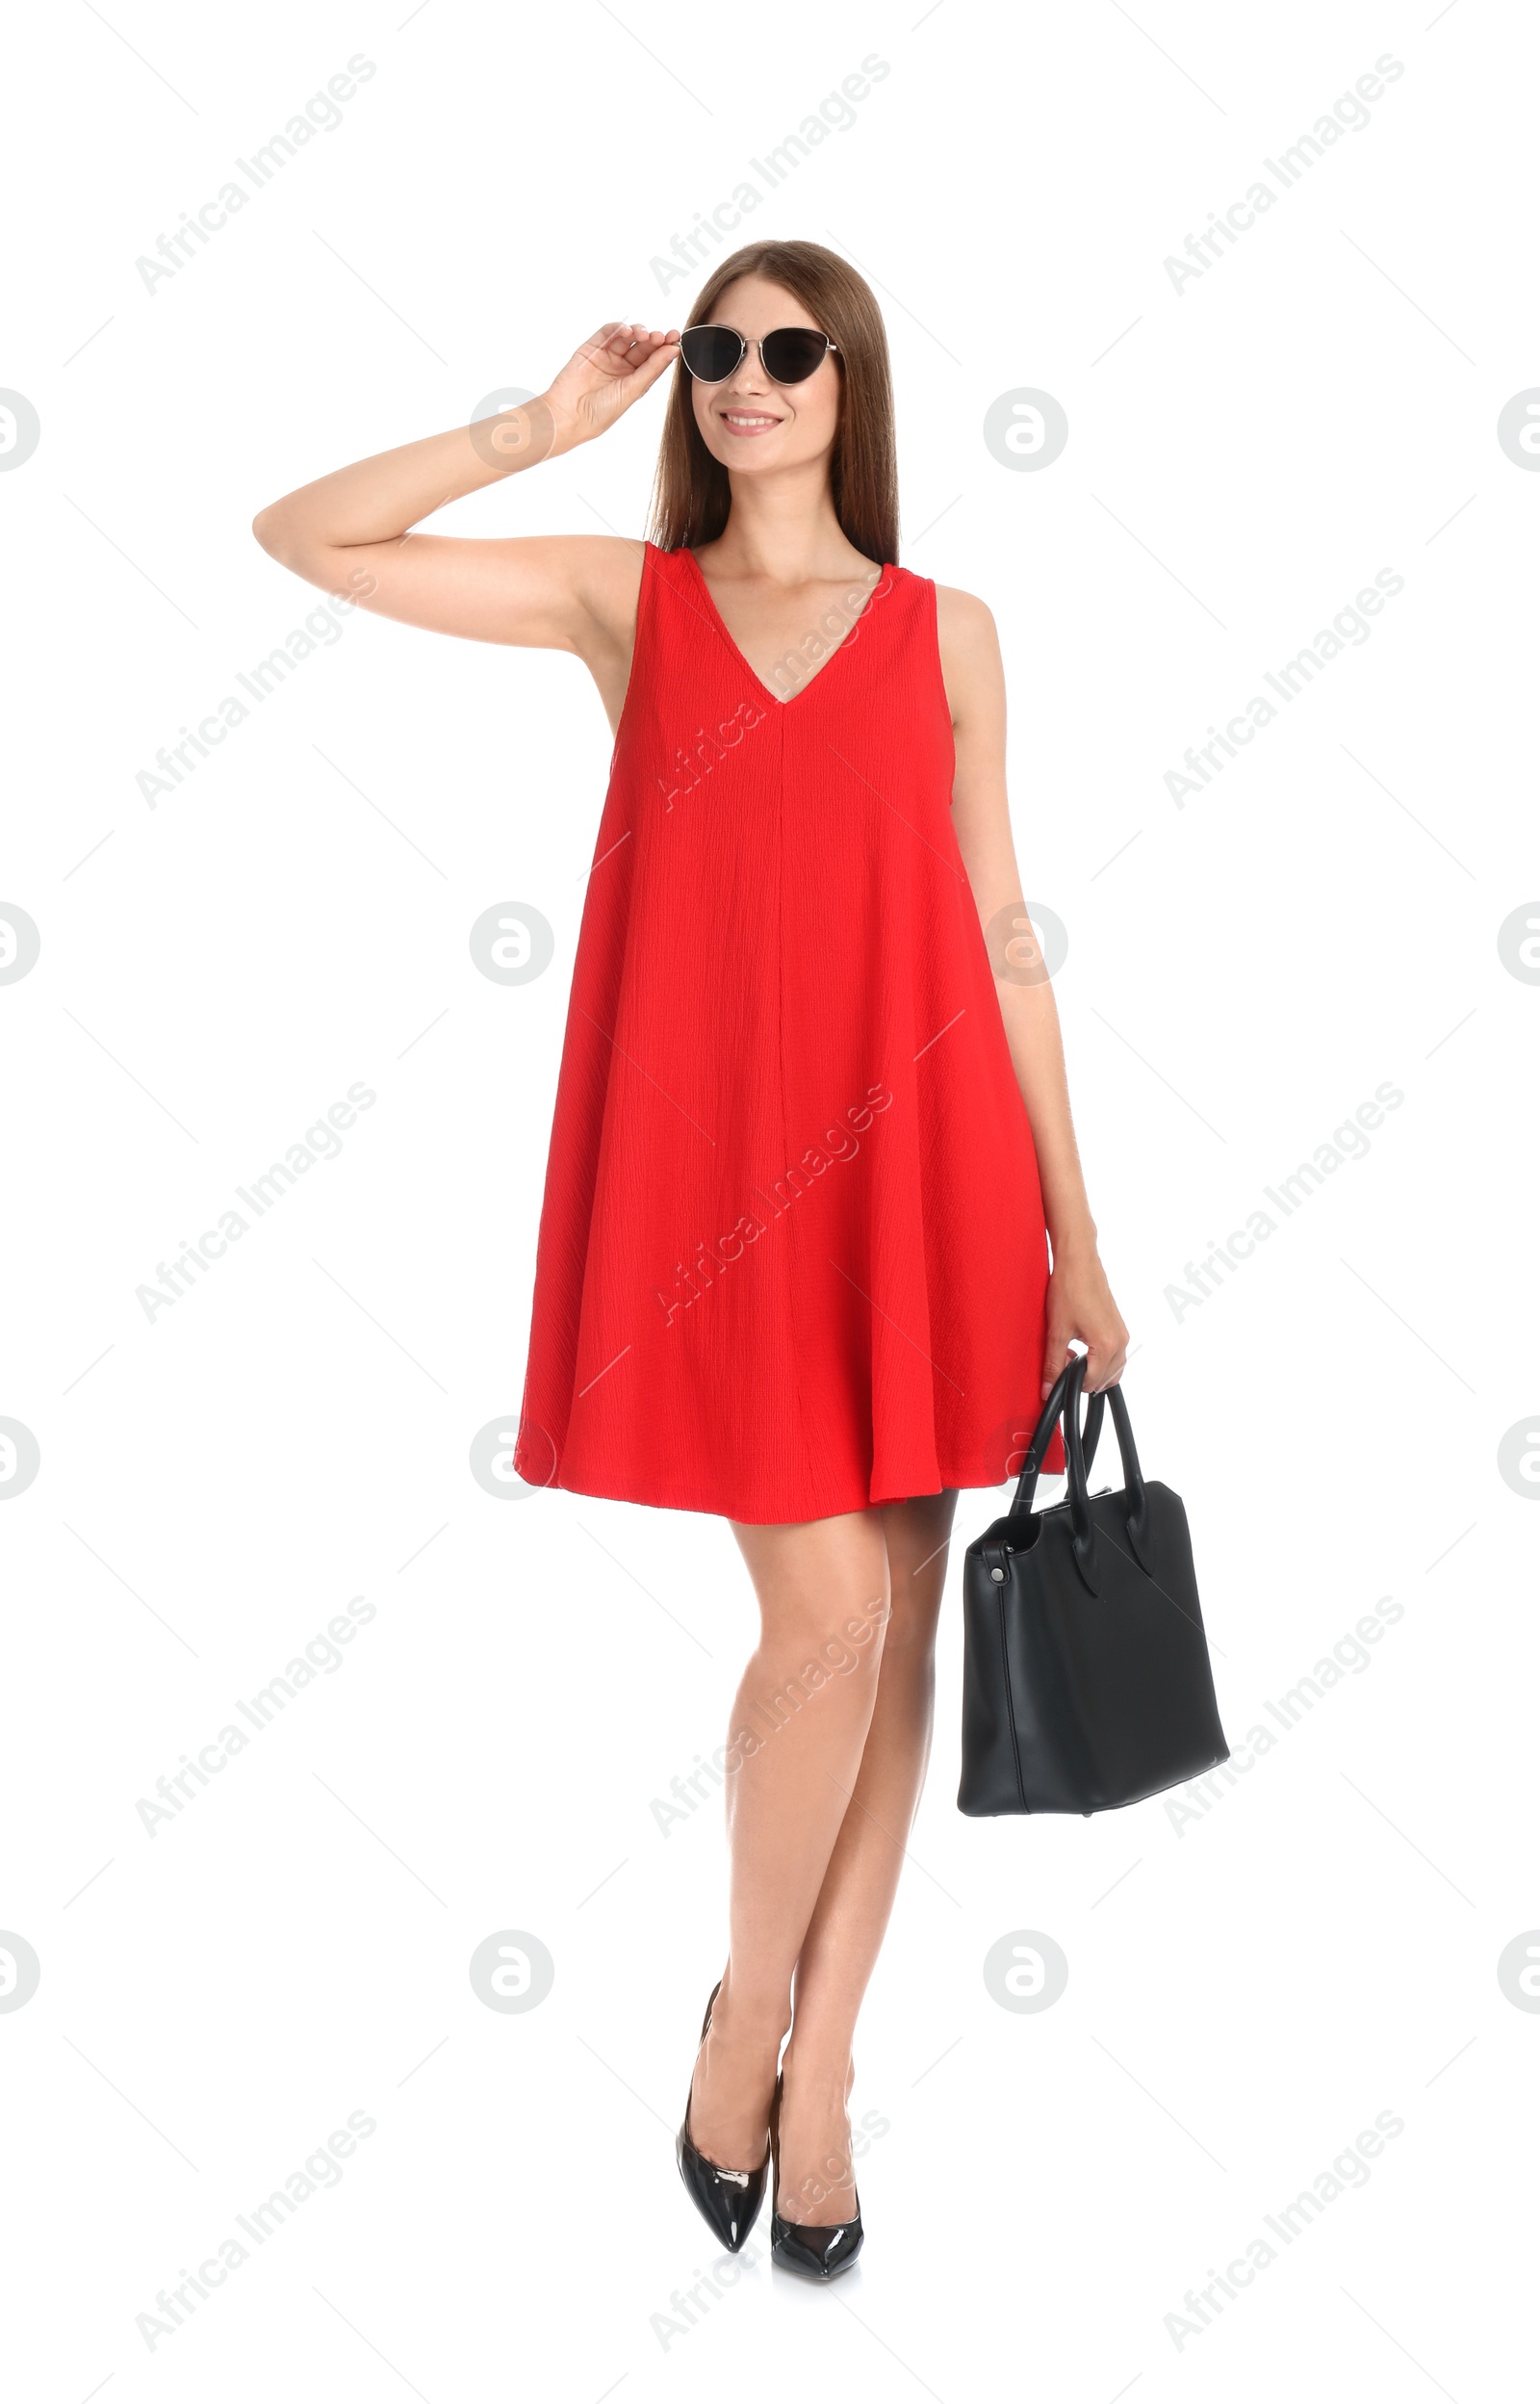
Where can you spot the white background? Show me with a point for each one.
(1245, 1993)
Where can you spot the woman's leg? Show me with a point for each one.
(796, 1740)
(843, 1939)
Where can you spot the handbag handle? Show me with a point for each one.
(1089, 1435)
(1065, 1399)
(1139, 1527)
(1073, 1372)
(1079, 1450)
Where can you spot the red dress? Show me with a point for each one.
(792, 1258)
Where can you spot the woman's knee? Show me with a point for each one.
(824, 1590)
(837, 1631)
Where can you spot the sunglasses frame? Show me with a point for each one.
(756, 342)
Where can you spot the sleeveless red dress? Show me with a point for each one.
(792, 1258)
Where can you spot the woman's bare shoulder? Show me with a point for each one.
(965, 621)
(971, 667)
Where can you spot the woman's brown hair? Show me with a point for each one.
(691, 492)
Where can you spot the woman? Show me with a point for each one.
(812, 1132)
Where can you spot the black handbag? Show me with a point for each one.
(1085, 1677)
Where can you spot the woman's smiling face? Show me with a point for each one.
(749, 423)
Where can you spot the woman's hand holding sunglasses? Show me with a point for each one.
(603, 376)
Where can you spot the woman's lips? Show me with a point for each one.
(747, 422)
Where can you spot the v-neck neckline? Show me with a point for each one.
(846, 640)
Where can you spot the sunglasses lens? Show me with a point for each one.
(793, 354)
(711, 351)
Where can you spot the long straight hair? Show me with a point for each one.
(691, 494)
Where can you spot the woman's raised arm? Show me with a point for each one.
(351, 532)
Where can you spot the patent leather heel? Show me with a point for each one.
(813, 2253)
(728, 2201)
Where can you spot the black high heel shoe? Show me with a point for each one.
(816, 2253)
(728, 2201)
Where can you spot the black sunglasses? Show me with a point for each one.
(787, 357)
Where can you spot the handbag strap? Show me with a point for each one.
(1071, 1375)
(1079, 1450)
(1138, 1527)
(1064, 1402)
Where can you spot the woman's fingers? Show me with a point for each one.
(629, 343)
(617, 347)
(1106, 1358)
(631, 360)
(651, 356)
(1079, 1304)
(596, 350)
(621, 360)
